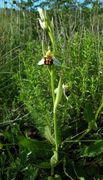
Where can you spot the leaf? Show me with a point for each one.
(57, 177)
(51, 178)
(99, 109)
(58, 95)
(38, 149)
(44, 165)
(89, 116)
(1, 146)
(94, 149)
(88, 112)
(54, 159)
(48, 135)
(81, 178)
(31, 173)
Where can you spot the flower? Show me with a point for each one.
(66, 91)
(42, 24)
(49, 59)
(42, 14)
(42, 19)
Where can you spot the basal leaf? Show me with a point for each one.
(94, 149)
(48, 135)
(54, 159)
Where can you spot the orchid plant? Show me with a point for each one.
(50, 61)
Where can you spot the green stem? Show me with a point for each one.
(54, 110)
(52, 171)
(55, 132)
(86, 132)
(52, 84)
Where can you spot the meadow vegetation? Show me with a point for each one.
(27, 135)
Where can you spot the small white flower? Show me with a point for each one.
(56, 90)
(42, 14)
(42, 24)
(42, 19)
(65, 91)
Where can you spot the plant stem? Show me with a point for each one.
(52, 84)
(86, 132)
(54, 110)
(55, 132)
(52, 171)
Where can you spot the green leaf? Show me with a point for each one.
(31, 173)
(1, 146)
(94, 149)
(88, 112)
(54, 159)
(57, 177)
(89, 116)
(99, 109)
(81, 178)
(48, 135)
(51, 178)
(59, 94)
(45, 165)
(37, 149)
